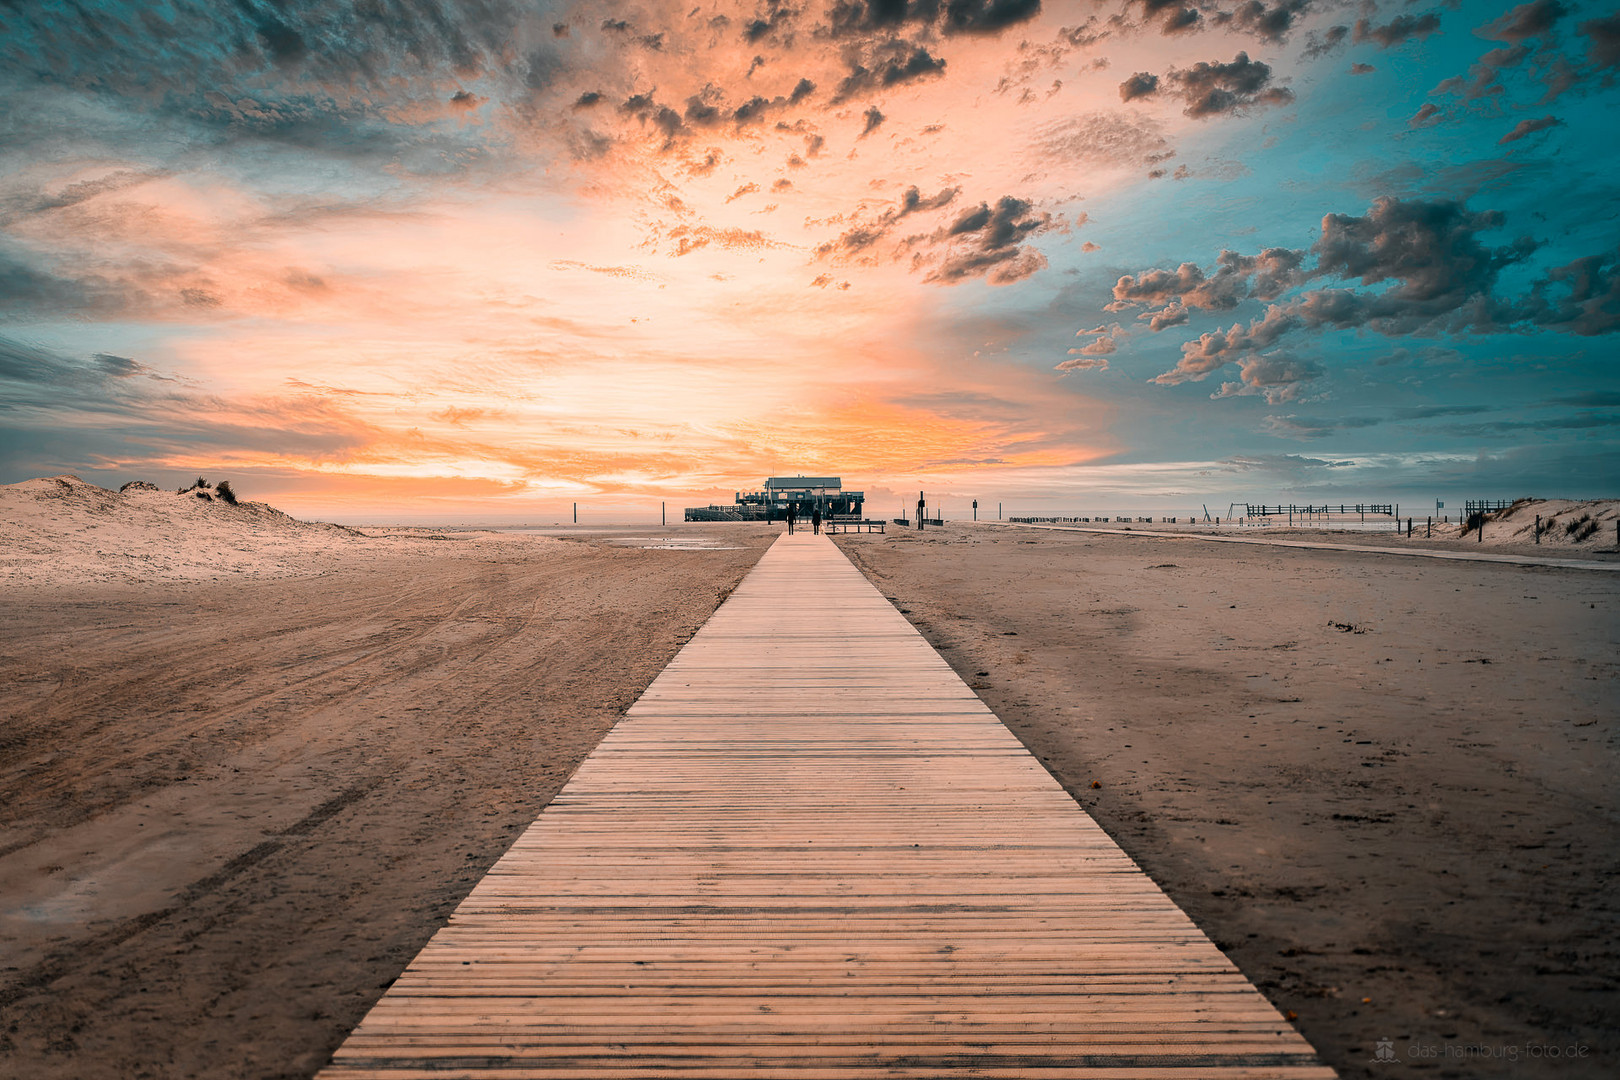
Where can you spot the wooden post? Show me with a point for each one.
(1538, 528)
(576, 513)
(1428, 527)
(1481, 539)
(663, 514)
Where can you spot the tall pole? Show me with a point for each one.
(576, 513)
(663, 515)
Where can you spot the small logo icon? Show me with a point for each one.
(1384, 1051)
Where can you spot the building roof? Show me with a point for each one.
(776, 483)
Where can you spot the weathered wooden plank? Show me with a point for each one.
(809, 850)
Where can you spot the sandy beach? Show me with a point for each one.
(246, 776)
(1384, 785)
(234, 809)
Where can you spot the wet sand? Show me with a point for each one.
(231, 812)
(1385, 786)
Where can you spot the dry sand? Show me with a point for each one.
(243, 779)
(231, 811)
(1385, 786)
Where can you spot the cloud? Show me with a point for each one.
(690, 238)
(1603, 41)
(1236, 278)
(1486, 73)
(1275, 377)
(1170, 16)
(987, 16)
(865, 236)
(1425, 116)
(972, 17)
(117, 409)
(986, 242)
(1362, 69)
(1421, 268)
(874, 120)
(906, 64)
(1082, 363)
(1528, 127)
(1215, 89)
(1306, 427)
(1534, 19)
(1582, 297)
(1266, 23)
(1111, 139)
(1140, 85)
(1399, 30)
(1093, 356)
(745, 189)
(1331, 38)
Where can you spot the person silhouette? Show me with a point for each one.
(815, 520)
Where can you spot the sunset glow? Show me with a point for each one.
(498, 258)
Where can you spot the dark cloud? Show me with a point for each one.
(1266, 23)
(1216, 89)
(803, 89)
(908, 64)
(1525, 21)
(987, 242)
(105, 407)
(987, 16)
(1362, 69)
(1421, 268)
(1582, 297)
(1425, 116)
(1237, 277)
(1141, 84)
(465, 100)
(1430, 250)
(1402, 28)
(588, 99)
(979, 17)
(1486, 73)
(863, 236)
(1277, 377)
(1170, 16)
(1528, 127)
(1320, 45)
(1603, 41)
(700, 113)
(874, 120)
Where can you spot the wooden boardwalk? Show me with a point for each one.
(810, 851)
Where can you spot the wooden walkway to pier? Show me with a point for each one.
(810, 851)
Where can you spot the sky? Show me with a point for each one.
(407, 259)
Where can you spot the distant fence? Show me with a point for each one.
(1104, 519)
(1363, 509)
